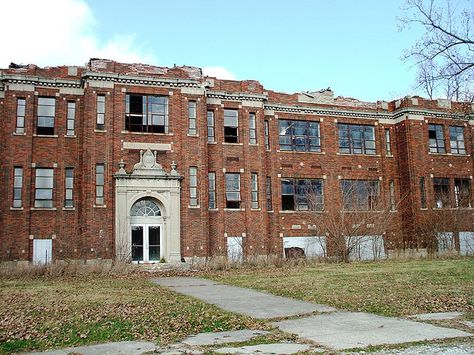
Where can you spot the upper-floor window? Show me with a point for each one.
(146, 113)
(300, 136)
(99, 184)
(254, 190)
(193, 195)
(462, 192)
(212, 190)
(267, 134)
(17, 186)
(71, 118)
(211, 136)
(436, 138)
(456, 138)
(232, 190)
(44, 182)
(68, 188)
(46, 113)
(360, 195)
(231, 126)
(252, 128)
(192, 130)
(20, 115)
(388, 145)
(356, 139)
(100, 112)
(441, 192)
(302, 194)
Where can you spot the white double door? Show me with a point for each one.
(146, 243)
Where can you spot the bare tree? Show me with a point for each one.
(445, 52)
(360, 226)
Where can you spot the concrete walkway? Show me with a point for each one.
(332, 329)
(241, 300)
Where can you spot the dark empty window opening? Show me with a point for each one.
(462, 193)
(441, 192)
(302, 194)
(231, 126)
(148, 114)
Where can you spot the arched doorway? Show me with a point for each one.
(146, 231)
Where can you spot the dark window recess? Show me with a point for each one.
(231, 126)
(462, 192)
(147, 114)
(302, 194)
(360, 195)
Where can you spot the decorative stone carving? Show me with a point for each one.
(147, 164)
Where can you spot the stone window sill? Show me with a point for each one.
(148, 133)
(236, 144)
(297, 152)
(194, 207)
(16, 208)
(211, 142)
(69, 208)
(100, 130)
(99, 206)
(213, 209)
(358, 155)
(19, 134)
(73, 136)
(192, 135)
(290, 212)
(43, 209)
(45, 135)
(234, 209)
(255, 209)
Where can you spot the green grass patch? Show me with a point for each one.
(391, 288)
(55, 313)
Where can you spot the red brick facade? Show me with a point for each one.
(87, 231)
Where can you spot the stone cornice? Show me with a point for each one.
(141, 80)
(235, 96)
(362, 114)
(39, 81)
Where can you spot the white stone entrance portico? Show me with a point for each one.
(148, 181)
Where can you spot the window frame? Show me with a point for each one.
(100, 111)
(254, 191)
(266, 127)
(71, 118)
(230, 137)
(391, 187)
(459, 200)
(69, 187)
(192, 115)
(193, 186)
(458, 146)
(211, 132)
(436, 144)
(147, 117)
(212, 200)
(290, 140)
(253, 128)
(17, 187)
(47, 177)
(269, 194)
(45, 128)
(233, 203)
(100, 184)
(298, 190)
(20, 115)
(357, 146)
(441, 192)
(388, 142)
(363, 195)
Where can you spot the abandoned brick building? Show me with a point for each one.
(146, 163)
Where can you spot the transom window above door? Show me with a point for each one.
(145, 208)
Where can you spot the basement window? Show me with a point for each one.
(147, 114)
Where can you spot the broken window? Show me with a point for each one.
(436, 138)
(17, 186)
(231, 126)
(299, 136)
(441, 192)
(456, 138)
(301, 194)
(360, 195)
(146, 113)
(46, 113)
(462, 192)
(356, 139)
(232, 193)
